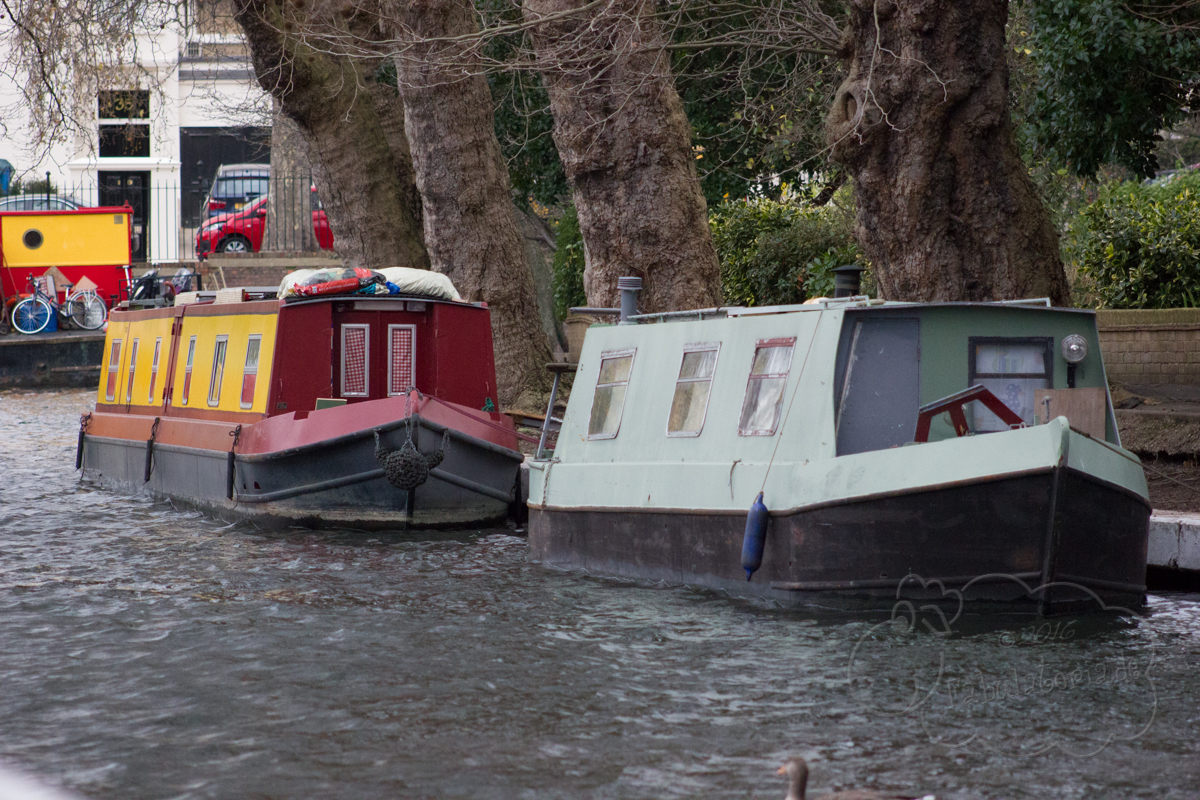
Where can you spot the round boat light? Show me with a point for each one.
(1074, 348)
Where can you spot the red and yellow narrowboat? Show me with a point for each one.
(344, 410)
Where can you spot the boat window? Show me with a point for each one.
(114, 364)
(187, 372)
(1012, 369)
(356, 352)
(154, 367)
(250, 372)
(218, 370)
(692, 389)
(764, 390)
(610, 394)
(401, 357)
(132, 366)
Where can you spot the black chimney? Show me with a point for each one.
(846, 280)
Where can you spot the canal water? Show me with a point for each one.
(148, 651)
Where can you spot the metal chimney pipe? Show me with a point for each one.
(629, 287)
(846, 280)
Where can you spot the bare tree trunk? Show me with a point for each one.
(626, 147)
(289, 206)
(470, 221)
(351, 124)
(946, 209)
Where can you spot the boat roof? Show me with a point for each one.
(855, 302)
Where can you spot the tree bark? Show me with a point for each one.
(946, 209)
(626, 148)
(351, 123)
(470, 221)
(289, 205)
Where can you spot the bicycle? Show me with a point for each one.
(84, 309)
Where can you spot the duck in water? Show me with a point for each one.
(796, 770)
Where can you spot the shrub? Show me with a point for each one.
(776, 253)
(568, 265)
(771, 253)
(1138, 245)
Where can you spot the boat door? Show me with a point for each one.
(374, 350)
(880, 391)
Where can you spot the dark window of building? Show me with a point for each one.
(124, 141)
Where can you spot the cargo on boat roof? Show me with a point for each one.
(255, 406)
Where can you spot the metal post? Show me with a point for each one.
(549, 413)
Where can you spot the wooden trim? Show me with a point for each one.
(255, 308)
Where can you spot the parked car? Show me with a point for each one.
(235, 186)
(38, 202)
(243, 232)
(1166, 176)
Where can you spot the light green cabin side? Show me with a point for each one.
(643, 467)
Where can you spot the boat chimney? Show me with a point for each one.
(846, 280)
(629, 286)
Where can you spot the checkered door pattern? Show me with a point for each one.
(400, 359)
(354, 360)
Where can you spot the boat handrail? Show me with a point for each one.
(719, 312)
(1038, 302)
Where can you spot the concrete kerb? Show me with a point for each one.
(1174, 541)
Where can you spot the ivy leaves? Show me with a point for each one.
(1110, 79)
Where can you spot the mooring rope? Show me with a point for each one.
(795, 391)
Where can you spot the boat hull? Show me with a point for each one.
(332, 483)
(1016, 537)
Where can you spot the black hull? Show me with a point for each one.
(998, 540)
(337, 483)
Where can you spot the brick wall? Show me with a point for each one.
(259, 269)
(1159, 346)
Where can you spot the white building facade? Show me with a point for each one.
(158, 146)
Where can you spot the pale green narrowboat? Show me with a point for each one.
(863, 425)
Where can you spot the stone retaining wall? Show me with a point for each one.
(1159, 346)
(66, 358)
(259, 269)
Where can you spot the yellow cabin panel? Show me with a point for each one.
(111, 389)
(74, 238)
(234, 333)
(148, 333)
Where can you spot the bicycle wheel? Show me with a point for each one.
(31, 315)
(87, 311)
(66, 314)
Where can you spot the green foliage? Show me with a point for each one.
(1138, 245)
(776, 253)
(523, 128)
(753, 112)
(1108, 79)
(39, 186)
(568, 265)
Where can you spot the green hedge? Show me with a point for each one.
(776, 253)
(1138, 245)
(568, 265)
(771, 253)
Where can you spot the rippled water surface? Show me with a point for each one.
(151, 652)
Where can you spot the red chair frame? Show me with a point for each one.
(954, 405)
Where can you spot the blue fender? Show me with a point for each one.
(755, 540)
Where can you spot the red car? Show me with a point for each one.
(242, 232)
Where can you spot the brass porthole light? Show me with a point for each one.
(1074, 350)
(33, 238)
